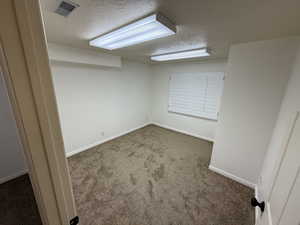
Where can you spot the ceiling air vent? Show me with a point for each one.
(66, 7)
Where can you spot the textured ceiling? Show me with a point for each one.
(200, 23)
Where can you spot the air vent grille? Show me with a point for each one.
(66, 7)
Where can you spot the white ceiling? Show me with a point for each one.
(200, 23)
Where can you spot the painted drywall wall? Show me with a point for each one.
(97, 103)
(290, 105)
(160, 90)
(11, 157)
(257, 75)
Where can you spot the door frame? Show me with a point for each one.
(25, 66)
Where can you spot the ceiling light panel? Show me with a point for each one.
(149, 28)
(182, 55)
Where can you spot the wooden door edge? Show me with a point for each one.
(35, 49)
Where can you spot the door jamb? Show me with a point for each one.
(32, 97)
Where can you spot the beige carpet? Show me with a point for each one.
(155, 176)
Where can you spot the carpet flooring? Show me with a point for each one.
(17, 203)
(155, 176)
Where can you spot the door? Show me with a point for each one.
(283, 207)
(25, 67)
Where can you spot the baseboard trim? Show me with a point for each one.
(182, 131)
(13, 176)
(233, 177)
(87, 147)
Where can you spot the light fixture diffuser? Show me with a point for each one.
(195, 53)
(146, 29)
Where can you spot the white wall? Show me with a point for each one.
(69, 54)
(11, 156)
(290, 105)
(160, 90)
(257, 75)
(99, 103)
(92, 100)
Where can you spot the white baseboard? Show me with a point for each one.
(233, 177)
(182, 131)
(12, 176)
(87, 147)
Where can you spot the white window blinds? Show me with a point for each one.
(196, 94)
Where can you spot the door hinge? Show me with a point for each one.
(74, 221)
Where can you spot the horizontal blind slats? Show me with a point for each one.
(195, 94)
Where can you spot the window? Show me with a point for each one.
(196, 94)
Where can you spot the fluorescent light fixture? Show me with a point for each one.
(182, 55)
(146, 29)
